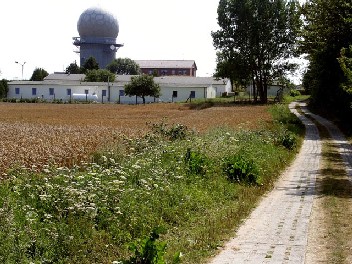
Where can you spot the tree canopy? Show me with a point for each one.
(90, 64)
(73, 68)
(345, 61)
(3, 88)
(255, 39)
(99, 75)
(142, 86)
(39, 74)
(327, 35)
(124, 66)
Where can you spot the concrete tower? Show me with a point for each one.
(98, 30)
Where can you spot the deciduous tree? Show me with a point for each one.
(259, 35)
(124, 66)
(142, 86)
(90, 64)
(39, 74)
(4, 89)
(73, 68)
(99, 75)
(327, 31)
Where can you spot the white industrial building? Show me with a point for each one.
(68, 87)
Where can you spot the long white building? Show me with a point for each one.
(68, 87)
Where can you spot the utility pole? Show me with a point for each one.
(22, 65)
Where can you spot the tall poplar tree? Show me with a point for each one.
(255, 39)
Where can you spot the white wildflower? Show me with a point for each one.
(136, 166)
(123, 178)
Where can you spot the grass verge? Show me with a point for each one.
(169, 177)
(335, 206)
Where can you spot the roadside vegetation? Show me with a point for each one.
(195, 186)
(333, 205)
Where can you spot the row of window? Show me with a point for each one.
(51, 91)
(166, 72)
(121, 92)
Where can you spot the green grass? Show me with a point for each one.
(91, 213)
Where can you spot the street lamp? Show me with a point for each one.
(22, 64)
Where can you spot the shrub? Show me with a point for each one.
(287, 139)
(149, 250)
(294, 93)
(176, 131)
(240, 169)
(196, 162)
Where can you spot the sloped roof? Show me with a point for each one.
(64, 76)
(170, 81)
(166, 64)
(189, 81)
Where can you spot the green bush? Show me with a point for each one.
(242, 170)
(294, 93)
(149, 250)
(288, 140)
(196, 162)
(174, 132)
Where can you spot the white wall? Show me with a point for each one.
(60, 91)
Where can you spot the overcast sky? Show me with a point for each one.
(39, 32)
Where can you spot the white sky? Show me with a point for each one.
(39, 32)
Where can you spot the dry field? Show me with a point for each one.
(34, 135)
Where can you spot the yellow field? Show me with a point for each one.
(35, 135)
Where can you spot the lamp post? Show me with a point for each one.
(22, 64)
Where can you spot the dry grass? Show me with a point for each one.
(330, 236)
(40, 134)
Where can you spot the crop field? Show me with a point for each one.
(92, 183)
(37, 135)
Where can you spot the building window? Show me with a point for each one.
(179, 72)
(184, 72)
(174, 94)
(51, 91)
(164, 72)
(173, 72)
(17, 90)
(193, 94)
(103, 93)
(34, 91)
(86, 91)
(150, 72)
(68, 91)
(122, 93)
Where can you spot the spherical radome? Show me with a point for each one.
(96, 22)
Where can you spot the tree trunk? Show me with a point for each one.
(254, 90)
(265, 89)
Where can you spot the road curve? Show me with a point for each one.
(277, 230)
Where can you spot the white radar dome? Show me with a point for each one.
(97, 23)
